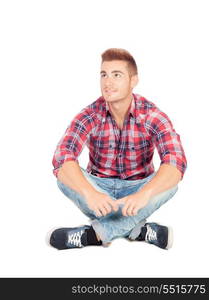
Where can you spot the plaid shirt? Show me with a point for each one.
(126, 153)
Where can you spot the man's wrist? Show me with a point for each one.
(145, 193)
(88, 192)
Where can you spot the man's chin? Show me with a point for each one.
(110, 98)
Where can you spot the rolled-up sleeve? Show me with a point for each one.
(73, 141)
(166, 140)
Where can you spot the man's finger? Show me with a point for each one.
(130, 210)
(107, 207)
(124, 211)
(135, 211)
(103, 210)
(113, 204)
(98, 213)
(125, 208)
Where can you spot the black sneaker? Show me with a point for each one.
(67, 238)
(157, 235)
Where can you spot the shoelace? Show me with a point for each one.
(75, 238)
(151, 235)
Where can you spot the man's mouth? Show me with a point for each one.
(109, 91)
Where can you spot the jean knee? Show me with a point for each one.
(163, 197)
(173, 190)
(64, 189)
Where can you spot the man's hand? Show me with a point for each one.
(100, 203)
(133, 203)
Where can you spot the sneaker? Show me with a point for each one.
(157, 235)
(67, 238)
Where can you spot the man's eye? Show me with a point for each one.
(117, 75)
(103, 75)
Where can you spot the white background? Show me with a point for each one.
(49, 68)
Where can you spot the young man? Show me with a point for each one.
(119, 189)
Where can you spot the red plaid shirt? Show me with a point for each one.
(126, 153)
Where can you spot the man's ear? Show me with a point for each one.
(134, 81)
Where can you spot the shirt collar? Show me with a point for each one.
(131, 109)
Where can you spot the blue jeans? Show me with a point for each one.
(115, 225)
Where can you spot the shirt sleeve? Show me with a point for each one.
(166, 140)
(73, 141)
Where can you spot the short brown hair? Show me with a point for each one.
(121, 54)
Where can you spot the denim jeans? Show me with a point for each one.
(115, 225)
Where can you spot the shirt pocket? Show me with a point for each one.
(104, 150)
(137, 150)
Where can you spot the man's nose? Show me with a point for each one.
(108, 82)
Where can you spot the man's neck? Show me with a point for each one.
(119, 109)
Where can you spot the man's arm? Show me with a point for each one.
(66, 166)
(173, 163)
(71, 175)
(166, 177)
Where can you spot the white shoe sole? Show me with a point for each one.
(170, 238)
(48, 235)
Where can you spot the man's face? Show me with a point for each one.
(116, 81)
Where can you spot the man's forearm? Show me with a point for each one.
(166, 177)
(71, 175)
